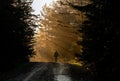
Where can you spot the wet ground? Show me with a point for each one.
(48, 72)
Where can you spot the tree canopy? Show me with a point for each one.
(16, 32)
(59, 25)
(101, 37)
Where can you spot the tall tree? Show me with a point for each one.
(58, 32)
(16, 32)
(101, 37)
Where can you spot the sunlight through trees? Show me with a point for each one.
(59, 30)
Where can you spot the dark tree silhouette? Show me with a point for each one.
(101, 38)
(16, 31)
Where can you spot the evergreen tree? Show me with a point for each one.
(101, 38)
(16, 32)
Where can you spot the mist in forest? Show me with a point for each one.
(58, 31)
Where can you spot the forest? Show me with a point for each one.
(98, 48)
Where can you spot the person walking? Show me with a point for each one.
(56, 56)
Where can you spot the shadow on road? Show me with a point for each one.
(47, 71)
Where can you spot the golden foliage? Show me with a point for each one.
(58, 31)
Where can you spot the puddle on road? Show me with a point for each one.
(62, 78)
(61, 73)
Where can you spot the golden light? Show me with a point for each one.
(59, 32)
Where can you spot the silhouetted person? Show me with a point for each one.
(56, 56)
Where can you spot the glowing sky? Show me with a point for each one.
(38, 4)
